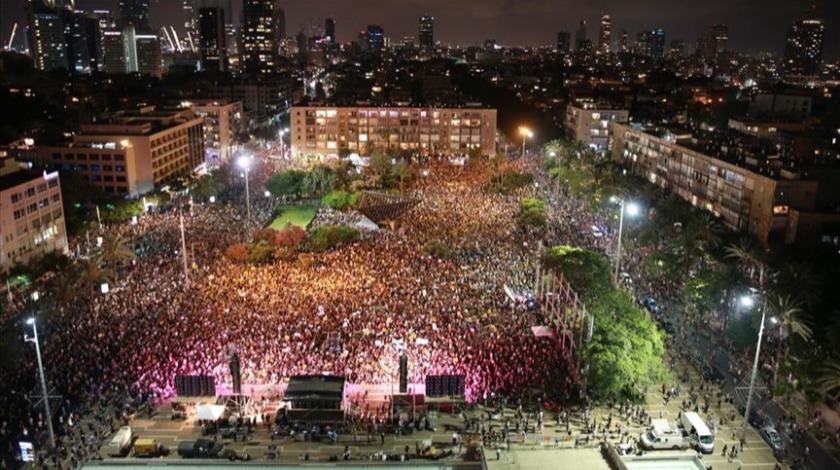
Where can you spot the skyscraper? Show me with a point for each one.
(804, 46)
(212, 44)
(46, 36)
(605, 35)
(580, 35)
(329, 30)
(190, 10)
(427, 32)
(625, 43)
(259, 36)
(149, 60)
(564, 39)
(375, 37)
(113, 52)
(651, 43)
(136, 13)
(280, 22)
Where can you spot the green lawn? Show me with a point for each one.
(299, 215)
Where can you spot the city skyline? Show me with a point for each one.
(532, 23)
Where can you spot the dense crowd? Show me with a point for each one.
(339, 313)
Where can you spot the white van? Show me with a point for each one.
(120, 444)
(662, 436)
(697, 432)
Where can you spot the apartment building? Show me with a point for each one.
(591, 122)
(134, 151)
(31, 214)
(747, 195)
(326, 131)
(223, 121)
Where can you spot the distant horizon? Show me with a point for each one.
(517, 23)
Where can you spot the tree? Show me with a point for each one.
(747, 254)
(291, 236)
(829, 380)
(588, 272)
(340, 200)
(286, 183)
(329, 236)
(791, 321)
(403, 171)
(116, 248)
(319, 181)
(93, 273)
(238, 252)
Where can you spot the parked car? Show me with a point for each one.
(201, 448)
(650, 304)
(772, 437)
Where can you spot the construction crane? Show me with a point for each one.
(12, 38)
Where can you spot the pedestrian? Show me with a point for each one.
(383, 437)
(498, 453)
(723, 454)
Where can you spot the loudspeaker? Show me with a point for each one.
(403, 374)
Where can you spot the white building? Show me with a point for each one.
(591, 122)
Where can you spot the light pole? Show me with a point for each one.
(45, 397)
(526, 134)
(245, 163)
(632, 209)
(748, 301)
(184, 253)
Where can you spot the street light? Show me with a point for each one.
(244, 162)
(748, 301)
(45, 397)
(526, 134)
(632, 210)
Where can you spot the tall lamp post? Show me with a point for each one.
(526, 134)
(748, 301)
(244, 162)
(632, 209)
(45, 397)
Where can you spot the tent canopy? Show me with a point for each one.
(209, 412)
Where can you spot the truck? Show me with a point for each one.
(146, 447)
(120, 444)
(200, 448)
(698, 433)
(662, 436)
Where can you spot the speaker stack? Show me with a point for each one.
(403, 374)
(195, 385)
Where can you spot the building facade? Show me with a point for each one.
(223, 122)
(212, 45)
(591, 123)
(744, 198)
(426, 32)
(259, 36)
(31, 215)
(46, 36)
(327, 131)
(804, 46)
(133, 152)
(605, 35)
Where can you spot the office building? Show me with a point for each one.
(133, 152)
(746, 193)
(375, 38)
(580, 36)
(427, 32)
(129, 36)
(190, 10)
(280, 21)
(804, 46)
(676, 49)
(651, 43)
(624, 42)
(590, 122)
(31, 214)
(47, 41)
(329, 131)
(329, 30)
(149, 60)
(564, 39)
(212, 44)
(259, 36)
(136, 14)
(113, 52)
(605, 35)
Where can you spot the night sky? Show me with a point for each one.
(755, 25)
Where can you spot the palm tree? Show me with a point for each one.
(748, 255)
(799, 279)
(116, 248)
(92, 273)
(792, 321)
(829, 379)
(706, 230)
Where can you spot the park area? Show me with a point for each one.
(295, 214)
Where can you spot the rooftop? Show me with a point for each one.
(17, 178)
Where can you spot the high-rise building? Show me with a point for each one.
(329, 30)
(149, 60)
(580, 35)
(427, 32)
(280, 22)
(129, 36)
(82, 38)
(564, 39)
(676, 49)
(46, 36)
(651, 43)
(113, 52)
(605, 35)
(624, 45)
(212, 44)
(375, 37)
(136, 13)
(804, 46)
(259, 36)
(190, 10)
(720, 38)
